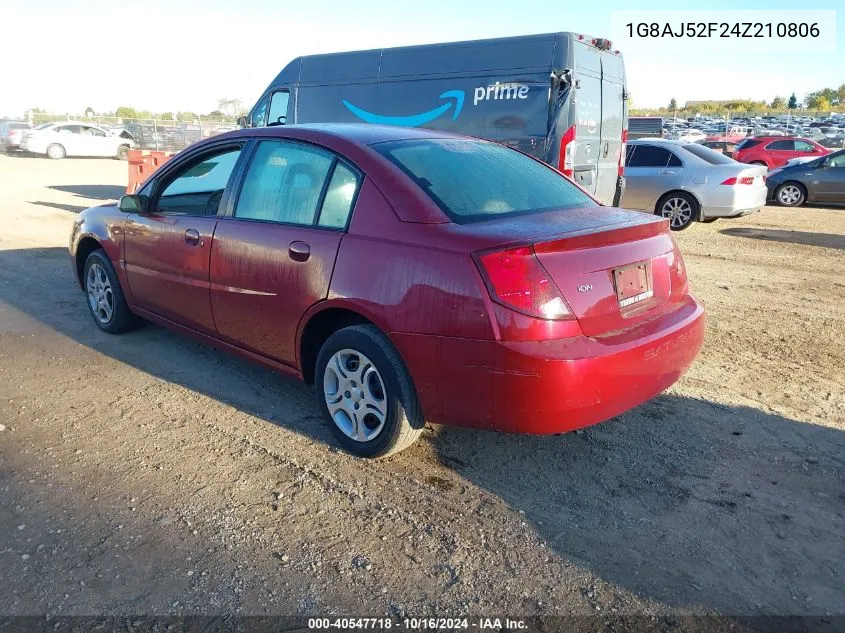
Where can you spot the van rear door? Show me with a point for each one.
(586, 116)
(613, 111)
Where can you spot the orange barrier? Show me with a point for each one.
(142, 163)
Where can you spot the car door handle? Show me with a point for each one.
(299, 251)
(192, 237)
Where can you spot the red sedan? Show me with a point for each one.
(409, 275)
(776, 151)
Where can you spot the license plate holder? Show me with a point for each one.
(632, 283)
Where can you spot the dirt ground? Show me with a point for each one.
(149, 474)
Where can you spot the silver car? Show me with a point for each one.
(687, 182)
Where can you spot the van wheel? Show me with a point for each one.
(365, 393)
(680, 208)
(56, 151)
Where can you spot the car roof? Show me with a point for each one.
(360, 133)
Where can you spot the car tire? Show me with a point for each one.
(374, 407)
(56, 151)
(122, 152)
(790, 194)
(104, 295)
(680, 208)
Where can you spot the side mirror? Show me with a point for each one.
(242, 122)
(132, 203)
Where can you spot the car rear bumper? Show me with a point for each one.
(545, 387)
(731, 202)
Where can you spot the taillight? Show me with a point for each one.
(517, 280)
(733, 180)
(622, 154)
(566, 160)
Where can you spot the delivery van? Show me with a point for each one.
(560, 97)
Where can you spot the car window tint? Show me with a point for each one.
(92, 131)
(650, 156)
(804, 146)
(340, 194)
(68, 129)
(278, 108)
(198, 188)
(674, 161)
(781, 145)
(284, 182)
(474, 180)
(747, 144)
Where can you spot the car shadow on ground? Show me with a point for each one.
(72, 208)
(826, 240)
(682, 500)
(94, 192)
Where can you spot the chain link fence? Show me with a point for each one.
(169, 135)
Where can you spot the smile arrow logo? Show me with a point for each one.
(413, 120)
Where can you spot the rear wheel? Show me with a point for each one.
(790, 194)
(56, 151)
(366, 394)
(680, 208)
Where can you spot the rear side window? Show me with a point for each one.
(708, 155)
(284, 183)
(804, 146)
(653, 156)
(781, 145)
(748, 144)
(472, 180)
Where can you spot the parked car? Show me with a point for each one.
(691, 136)
(392, 267)
(520, 91)
(723, 147)
(75, 138)
(775, 151)
(818, 180)
(687, 182)
(10, 134)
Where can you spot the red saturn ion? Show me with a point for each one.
(409, 275)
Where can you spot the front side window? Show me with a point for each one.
(837, 160)
(278, 108)
(284, 183)
(474, 180)
(197, 189)
(259, 114)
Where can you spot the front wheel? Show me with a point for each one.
(680, 208)
(122, 152)
(365, 393)
(790, 194)
(106, 302)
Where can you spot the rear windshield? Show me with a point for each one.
(708, 155)
(747, 143)
(472, 180)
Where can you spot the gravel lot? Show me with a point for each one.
(148, 474)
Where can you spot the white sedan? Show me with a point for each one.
(74, 138)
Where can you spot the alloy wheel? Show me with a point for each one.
(789, 195)
(355, 395)
(100, 295)
(678, 211)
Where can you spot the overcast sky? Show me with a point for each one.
(182, 55)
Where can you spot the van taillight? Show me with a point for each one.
(622, 154)
(566, 160)
(517, 280)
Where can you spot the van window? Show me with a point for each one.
(278, 108)
(474, 180)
